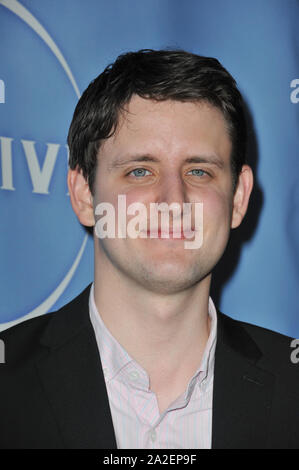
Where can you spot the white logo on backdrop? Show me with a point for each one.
(2, 92)
(18, 9)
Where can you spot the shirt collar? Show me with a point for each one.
(115, 358)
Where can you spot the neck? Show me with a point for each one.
(162, 333)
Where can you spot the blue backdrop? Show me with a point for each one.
(50, 50)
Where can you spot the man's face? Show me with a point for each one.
(167, 133)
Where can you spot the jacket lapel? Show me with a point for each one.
(71, 373)
(242, 391)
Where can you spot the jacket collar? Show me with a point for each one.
(67, 322)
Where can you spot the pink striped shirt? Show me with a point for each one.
(185, 424)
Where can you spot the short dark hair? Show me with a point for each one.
(158, 75)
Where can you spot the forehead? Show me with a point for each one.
(168, 129)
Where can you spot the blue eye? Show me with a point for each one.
(140, 172)
(199, 172)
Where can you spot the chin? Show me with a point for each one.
(166, 286)
(169, 278)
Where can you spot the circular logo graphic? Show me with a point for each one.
(35, 206)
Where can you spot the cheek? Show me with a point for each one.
(216, 215)
(106, 192)
(135, 195)
(120, 201)
(109, 191)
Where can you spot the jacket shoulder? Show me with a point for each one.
(275, 348)
(22, 341)
(266, 338)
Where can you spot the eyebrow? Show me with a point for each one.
(210, 159)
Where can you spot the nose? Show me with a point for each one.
(172, 189)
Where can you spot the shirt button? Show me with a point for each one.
(153, 435)
(105, 370)
(134, 375)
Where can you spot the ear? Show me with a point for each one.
(242, 195)
(81, 197)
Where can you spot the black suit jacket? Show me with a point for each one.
(53, 393)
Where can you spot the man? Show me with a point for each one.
(142, 358)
